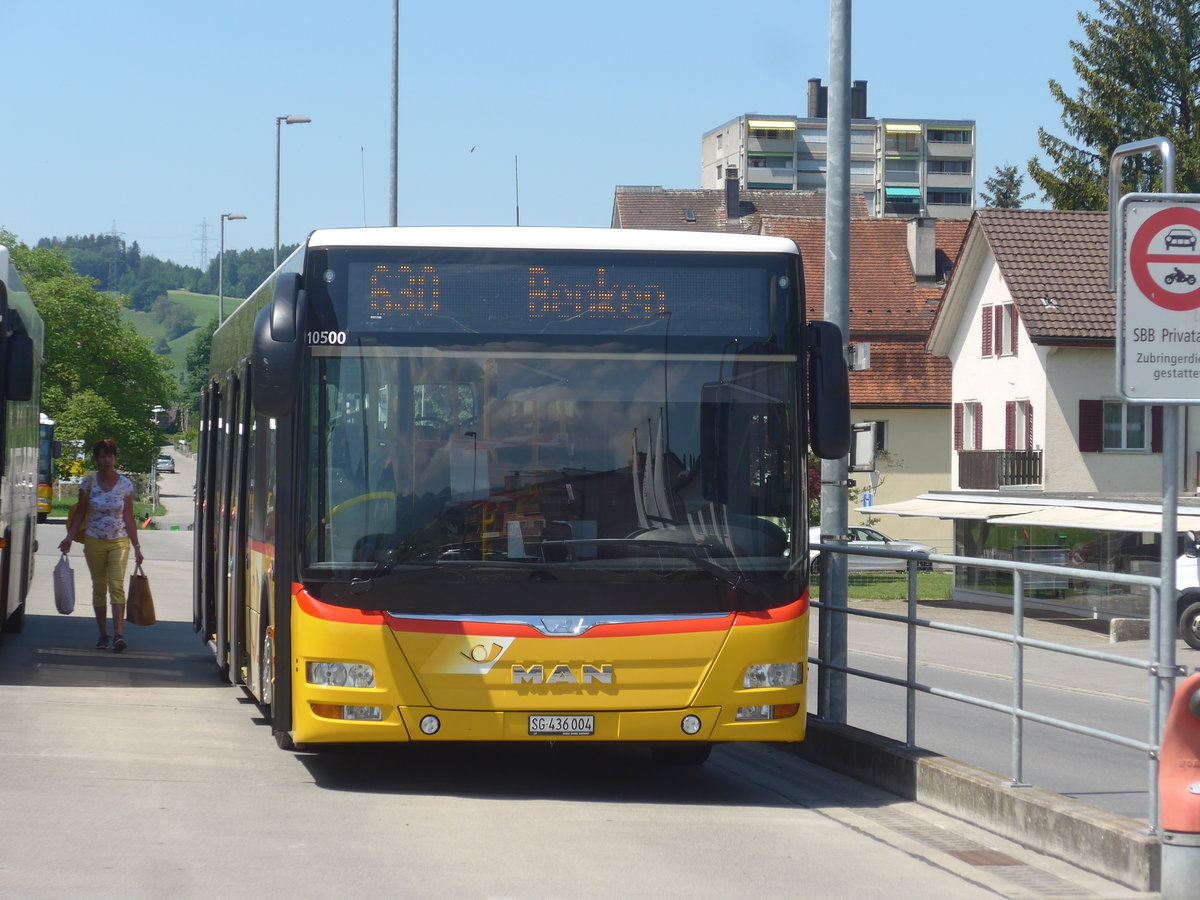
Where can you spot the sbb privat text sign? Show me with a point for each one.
(1158, 299)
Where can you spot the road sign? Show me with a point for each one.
(1158, 299)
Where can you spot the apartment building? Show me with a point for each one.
(902, 167)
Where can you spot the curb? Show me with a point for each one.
(1101, 842)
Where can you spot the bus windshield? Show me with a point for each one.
(511, 457)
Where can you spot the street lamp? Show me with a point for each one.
(285, 120)
(221, 267)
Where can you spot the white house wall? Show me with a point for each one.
(917, 461)
(993, 381)
(1053, 379)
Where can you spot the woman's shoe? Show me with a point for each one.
(119, 644)
(102, 642)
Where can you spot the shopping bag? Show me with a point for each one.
(64, 586)
(139, 602)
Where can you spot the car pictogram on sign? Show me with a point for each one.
(1180, 237)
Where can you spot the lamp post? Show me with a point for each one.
(285, 120)
(221, 267)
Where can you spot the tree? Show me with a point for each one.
(1140, 80)
(101, 379)
(1005, 189)
(195, 367)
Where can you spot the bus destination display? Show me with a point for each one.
(563, 299)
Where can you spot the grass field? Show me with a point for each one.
(893, 586)
(203, 305)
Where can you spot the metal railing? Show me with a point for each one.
(1160, 666)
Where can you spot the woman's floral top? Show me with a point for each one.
(106, 509)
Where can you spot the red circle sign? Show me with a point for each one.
(1167, 270)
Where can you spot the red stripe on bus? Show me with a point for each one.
(317, 609)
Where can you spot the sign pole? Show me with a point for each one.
(1163, 640)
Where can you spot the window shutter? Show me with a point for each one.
(1010, 425)
(987, 331)
(1091, 426)
(998, 330)
(1156, 425)
(978, 426)
(1028, 426)
(958, 422)
(1014, 318)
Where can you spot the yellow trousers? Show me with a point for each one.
(107, 560)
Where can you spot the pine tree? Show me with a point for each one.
(1005, 189)
(1140, 79)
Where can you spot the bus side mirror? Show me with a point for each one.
(1191, 545)
(828, 391)
(18, 365)
(275, 360)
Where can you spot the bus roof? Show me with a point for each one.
(525, 237)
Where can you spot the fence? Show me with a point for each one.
(1160, 667)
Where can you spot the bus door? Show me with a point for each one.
(236, 556)
(206, 516)
(225, 512)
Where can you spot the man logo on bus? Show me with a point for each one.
(563, 674)
(481, 654)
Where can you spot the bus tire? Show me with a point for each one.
(682, 754)
(1189, 621)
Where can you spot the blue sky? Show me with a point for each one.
(153, 117)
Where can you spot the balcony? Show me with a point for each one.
(989, 470)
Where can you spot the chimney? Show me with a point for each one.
(817, 99)
(858, 100)
(922, 248)
(733, 200)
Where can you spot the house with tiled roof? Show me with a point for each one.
(898, 270)
(1028, 326)
(731, 210)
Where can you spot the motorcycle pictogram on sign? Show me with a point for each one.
(1164, 261)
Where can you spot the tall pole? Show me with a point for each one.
(517, 186)
(221, 277)
(275, 245)
(835, 473)
(221, 267)
(394, 202)
(281, 120)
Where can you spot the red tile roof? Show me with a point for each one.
(901, 374)
(886, 302)
(659, 209)
(888, 307)
(1055, 264)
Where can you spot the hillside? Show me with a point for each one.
(151, 325)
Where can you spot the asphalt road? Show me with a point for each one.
(1102, 696)
(140, 775)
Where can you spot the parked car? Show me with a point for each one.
(165, 463)
(873, 539)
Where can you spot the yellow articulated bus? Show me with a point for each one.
(48, 451)
(517, 484)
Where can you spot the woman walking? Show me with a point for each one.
(105, 515)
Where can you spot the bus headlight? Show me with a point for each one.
(340, 674)
(773, 675)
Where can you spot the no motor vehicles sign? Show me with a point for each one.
(1158, 299)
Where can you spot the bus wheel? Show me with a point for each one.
(266, 672)
(682, 754)
(1189, 623)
